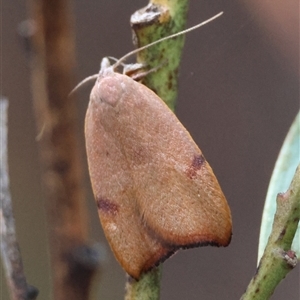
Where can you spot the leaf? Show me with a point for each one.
(284, 170)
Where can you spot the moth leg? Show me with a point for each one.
(140, 75)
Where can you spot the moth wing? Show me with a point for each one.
(178, 195)
(190, 210)
(135, 249)
(154, 190)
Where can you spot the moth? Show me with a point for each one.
(155, 191)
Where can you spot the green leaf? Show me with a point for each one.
(284, 170)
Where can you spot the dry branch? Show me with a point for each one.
(10, 253)
(53, 63)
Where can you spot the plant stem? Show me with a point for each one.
(278, 258)
(53, 62)
(161, 19)
(147, 288)
(10, 252)
(167, 17)
(282, 175)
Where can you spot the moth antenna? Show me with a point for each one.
(115, 60)
(40, 134)
(82, 83)
(119, 62)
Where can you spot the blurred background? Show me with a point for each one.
(238, 95)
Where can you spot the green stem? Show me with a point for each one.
(167, 17)
(282, 176)
(147, 288)
(278, 258)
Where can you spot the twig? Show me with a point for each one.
(162, 18)
(278, 258)
(10, 253)
(282, 176)
(148, 287)
(73, 261)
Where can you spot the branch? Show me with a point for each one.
(159, 19)
(282, 176)
(162, 18)
(148, 287)
(278, 258)
(74, 263)
(10, 253)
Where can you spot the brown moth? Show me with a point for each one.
(154, 190)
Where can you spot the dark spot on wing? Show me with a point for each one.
(198, 161)
(196, 165)
(107, 206)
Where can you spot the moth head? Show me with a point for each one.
(108, 89)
